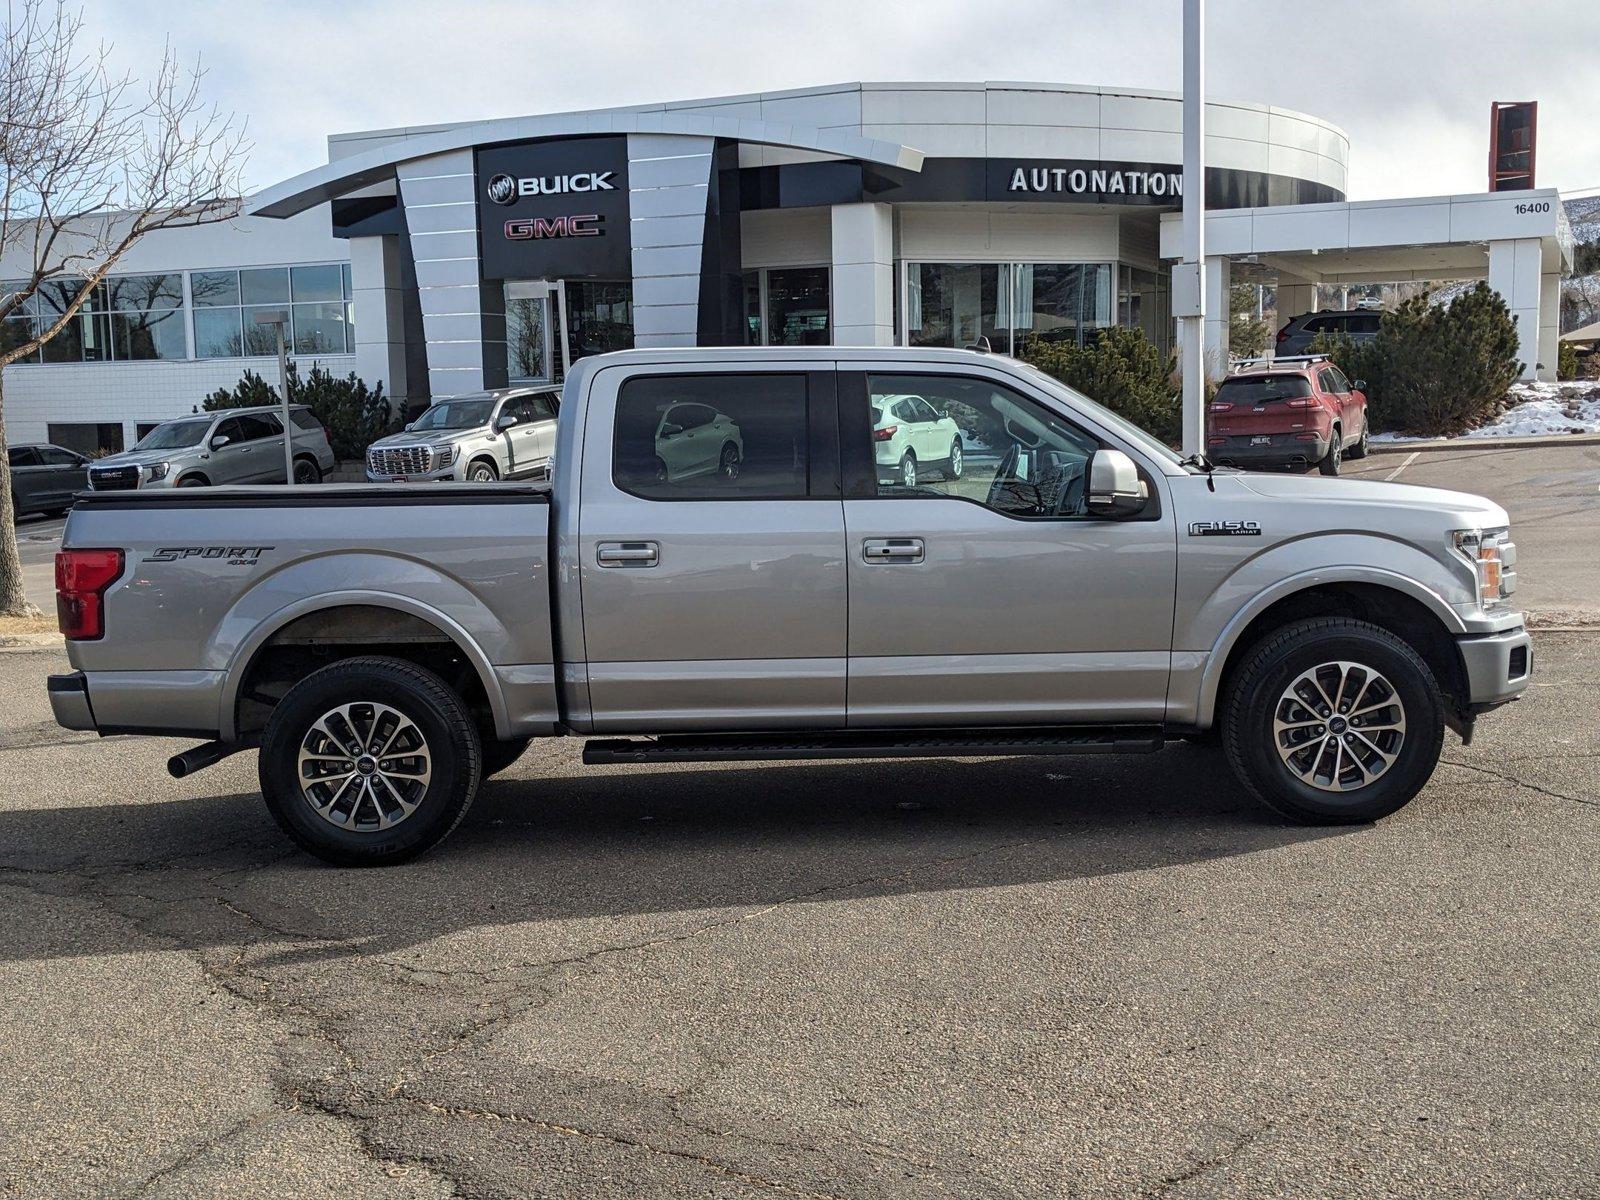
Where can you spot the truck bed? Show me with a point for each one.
(212, 576)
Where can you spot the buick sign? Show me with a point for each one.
(554, 209)
(502, 189)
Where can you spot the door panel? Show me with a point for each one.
(1007, 616)
(723, 606)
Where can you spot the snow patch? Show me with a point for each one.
(1534, 410)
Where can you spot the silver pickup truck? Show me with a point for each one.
(729, 566)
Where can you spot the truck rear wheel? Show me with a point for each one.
(370, 761)
(1333, 721)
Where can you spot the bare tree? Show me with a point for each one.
(90, 162)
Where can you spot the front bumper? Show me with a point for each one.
(69, 701)
(1499, 666)
(1274, 449)
(442, 475)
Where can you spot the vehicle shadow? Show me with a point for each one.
(593, 845)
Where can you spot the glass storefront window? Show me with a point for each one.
(1143, 302)
(599, 318)
(954, 304)
(797, 307)
(754, 333)
(525, 337)
(317, 296)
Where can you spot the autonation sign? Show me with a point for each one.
(1097, 181)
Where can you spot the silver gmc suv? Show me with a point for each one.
(481, 437)
(232, 445)
(746, 581)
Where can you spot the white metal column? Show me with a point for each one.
(1189, 292)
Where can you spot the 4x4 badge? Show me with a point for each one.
(1224, 529)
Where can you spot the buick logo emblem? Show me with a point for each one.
(502, 189)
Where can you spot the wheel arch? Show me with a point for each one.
(1409, 610)
(352, 624)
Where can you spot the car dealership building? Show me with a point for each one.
(444, 259)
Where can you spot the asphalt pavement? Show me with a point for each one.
(1002, 978)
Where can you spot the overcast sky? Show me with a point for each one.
(1409, 80)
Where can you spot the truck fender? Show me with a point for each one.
(1216, 659)
(244, 652)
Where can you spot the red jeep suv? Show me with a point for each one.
(1288, 413)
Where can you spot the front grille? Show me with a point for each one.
(113, 479)
(400, 460)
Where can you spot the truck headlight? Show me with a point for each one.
(158, 471)
(1492, 554)
(444, 456)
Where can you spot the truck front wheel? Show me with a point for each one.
(370, 761)
(1333, 721)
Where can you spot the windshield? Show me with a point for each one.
(1260, 389)
(174, 435)
(456, 414)
(1145, 440)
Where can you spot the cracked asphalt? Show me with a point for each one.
(1069, 977)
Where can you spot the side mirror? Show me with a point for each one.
(670, 430)
(1115, 489)
(1359, 385)
(505, 421)
(218, 442)
(410, 425)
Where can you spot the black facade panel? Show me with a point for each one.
(555, 210)
(720, 320)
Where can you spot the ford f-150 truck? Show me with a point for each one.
(722, 570)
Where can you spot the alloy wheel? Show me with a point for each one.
(908, 471)
(1339, 726)
(364, 766)
(728, 467)
(955, 461)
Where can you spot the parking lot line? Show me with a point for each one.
(1410, 458)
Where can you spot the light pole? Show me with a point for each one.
(279, 320)
(1189, 279)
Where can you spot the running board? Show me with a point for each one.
(875, 743)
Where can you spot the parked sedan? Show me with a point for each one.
(45, 478)
(910, 436)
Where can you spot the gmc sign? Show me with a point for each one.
(555, 209)
(579, 225)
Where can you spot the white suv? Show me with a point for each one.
(909, 435)
(481, 437)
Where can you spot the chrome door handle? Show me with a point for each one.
(628, 554)
(893, 550)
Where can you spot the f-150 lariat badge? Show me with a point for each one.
(1224, 529)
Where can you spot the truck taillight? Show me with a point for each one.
(886, 434)
(82, 577)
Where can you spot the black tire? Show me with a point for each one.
(498, 755)
(1259, 693)
(481, 470)
(1360, 449)
(908, 470)
(194, 481)
(955, 466)
(661, 470)
(306, 471)
(53, 513)
(728, 462)
(450, 744)
(1329, 464)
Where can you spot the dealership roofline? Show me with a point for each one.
(344, 175)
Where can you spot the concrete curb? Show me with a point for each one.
(32, 641)
(1433, 445)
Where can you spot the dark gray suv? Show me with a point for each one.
(1299, 332)
(45, 478)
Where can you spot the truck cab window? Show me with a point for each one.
(712, 437)
(969, 439)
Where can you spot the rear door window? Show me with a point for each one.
(1263, 389)
(255, 426)
(1333, 380)
(23, 456)
(305, 420)
(712, 437)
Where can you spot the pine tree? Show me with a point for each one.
(1120, 368)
